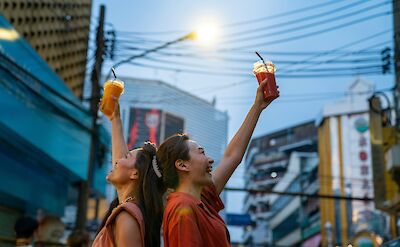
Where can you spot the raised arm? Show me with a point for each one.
(237, 146)
(119, 147)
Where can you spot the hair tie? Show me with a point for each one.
(155, 167)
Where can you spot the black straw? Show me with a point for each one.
(262, 59)
(113, 71)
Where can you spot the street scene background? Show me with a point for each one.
(323, 146)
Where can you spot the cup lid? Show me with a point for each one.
(270, 66)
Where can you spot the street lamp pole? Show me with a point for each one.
(190, 36)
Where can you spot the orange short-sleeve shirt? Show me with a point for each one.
(189, 221)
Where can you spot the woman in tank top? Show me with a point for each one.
(134, 217)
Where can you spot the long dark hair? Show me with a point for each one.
(149, 195)
(171, 150)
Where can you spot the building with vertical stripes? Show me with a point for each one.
(345, 170)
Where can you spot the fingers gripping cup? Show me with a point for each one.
(113, 88)
(266, 70)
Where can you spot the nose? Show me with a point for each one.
(210, 161)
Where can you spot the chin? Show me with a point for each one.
(109, 179)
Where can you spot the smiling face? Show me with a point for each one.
(199, 166)
(123, 170)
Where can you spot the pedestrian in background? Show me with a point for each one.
(134, 217)
(24, 228)
(191, 214)
(50, 231)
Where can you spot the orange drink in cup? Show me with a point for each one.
(113, 88)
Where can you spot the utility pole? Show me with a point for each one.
(396, 39)
(85, 186)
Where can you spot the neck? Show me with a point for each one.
(124, 193)
(190, 188)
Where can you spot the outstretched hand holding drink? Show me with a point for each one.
(237, 146)
(266, 70)
(113, 88)
(260, 99)
(116, 113)
(109, 105)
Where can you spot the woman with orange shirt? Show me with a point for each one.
(191, 214)
(134, 217)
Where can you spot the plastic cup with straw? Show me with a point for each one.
(266, 70)
(113, 88)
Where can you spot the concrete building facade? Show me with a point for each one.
(58, 30)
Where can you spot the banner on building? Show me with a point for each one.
(152, 125)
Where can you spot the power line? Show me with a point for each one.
(337, 93)
(171, 99)
(333, 59)
(284, 14)
(270, 17)
(315, 195)
(124, 47)
(305, 35)
(368, 38)
(370, 59)
(313, 33)
(358, 69)
(316, 23)
(316, 75)
(314, 54)
(301, 27)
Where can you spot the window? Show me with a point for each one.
(364, 170)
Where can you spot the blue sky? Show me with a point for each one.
(272, 27)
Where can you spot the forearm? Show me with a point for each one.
(238, 145)
(119, 147)
(236, 148)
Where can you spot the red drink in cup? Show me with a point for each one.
(266, 70)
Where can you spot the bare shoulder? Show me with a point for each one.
(127, 230)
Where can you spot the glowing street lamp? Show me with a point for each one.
(205, 34)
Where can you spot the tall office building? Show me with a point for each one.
(58, 30)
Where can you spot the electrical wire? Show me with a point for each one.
(237, 36)
(313, 33)
(304, 75)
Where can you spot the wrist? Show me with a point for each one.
(115, 119)
(258, 107)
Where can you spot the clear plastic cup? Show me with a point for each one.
(263, 71)
(113, 88)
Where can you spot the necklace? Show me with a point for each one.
(131, 198)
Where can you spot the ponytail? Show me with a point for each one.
(150, 191)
